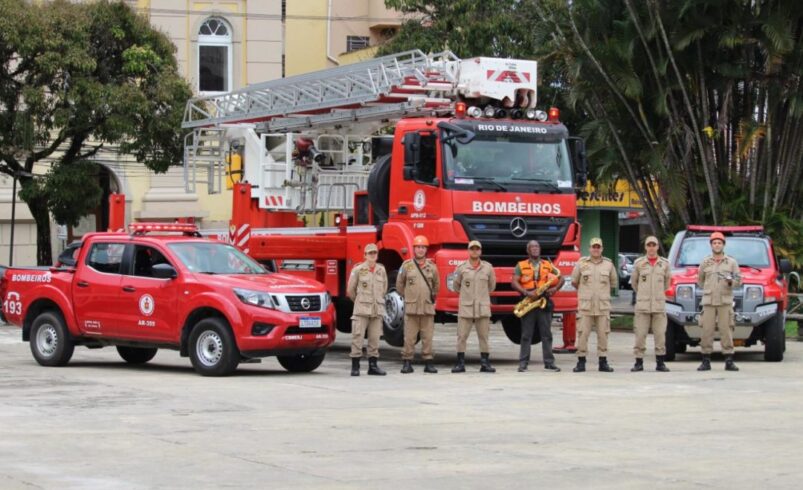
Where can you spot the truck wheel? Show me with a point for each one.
(344, 309)
(303, 363)
(136, 355)
(671, 345)
(213, 351)
(393, 321)
(774, 339)
(51, 344)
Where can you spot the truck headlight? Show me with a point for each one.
(684, 293)
(326, 301)
(255, 298)
(450, 281)
(754, 294)
(567, 284)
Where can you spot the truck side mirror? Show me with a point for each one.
(579, 161)
(163, 271)
(785, 266)
(412, 154)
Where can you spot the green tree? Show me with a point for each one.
(73, 78)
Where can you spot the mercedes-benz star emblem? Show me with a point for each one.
(305, 303)
(518, 227)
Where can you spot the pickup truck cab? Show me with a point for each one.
(759, 303)
(163, 286)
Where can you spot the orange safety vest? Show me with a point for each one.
(528, 279)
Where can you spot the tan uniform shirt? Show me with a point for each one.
(594, 282)
(649, 284)
(415, 288)
(716, 291)
(475, 286)
(367, 289)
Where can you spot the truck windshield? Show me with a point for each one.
(215, 258)
(503, 162)
(749, 252)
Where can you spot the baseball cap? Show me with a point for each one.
(474, 243)
(371, 247)
(651, 239)
(596, 241)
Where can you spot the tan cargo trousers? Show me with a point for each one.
(717, 318)
(483, 326)
(413, 326)
(359, 324)
(642, 323)
(600, 323)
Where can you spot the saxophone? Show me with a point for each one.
(528, 304)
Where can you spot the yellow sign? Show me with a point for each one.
(620, 196)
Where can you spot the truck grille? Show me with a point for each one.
(502, 248)
(296, 330)
(304, 303)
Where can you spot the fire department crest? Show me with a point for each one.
(146, 304)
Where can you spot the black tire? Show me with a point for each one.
(512, 327)
(379, 188)
(50, 341)
(393, 333)
(212, 349)
(671, 343)
(303, 363)
(774, 339)
(136, 355)
(344, 308)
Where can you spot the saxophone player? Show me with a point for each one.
(530, 274)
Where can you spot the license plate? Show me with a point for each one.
(309, 322)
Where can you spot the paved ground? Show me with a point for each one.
(100, 424)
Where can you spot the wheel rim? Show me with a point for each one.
(47, 340)
(394, 309)
(209, 348)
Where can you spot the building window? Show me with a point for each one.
(353, 43)
(214, 56)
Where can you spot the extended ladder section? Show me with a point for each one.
(350, 103)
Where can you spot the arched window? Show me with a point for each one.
(214, 56)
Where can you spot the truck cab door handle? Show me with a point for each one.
(129, 289)
(82, 284)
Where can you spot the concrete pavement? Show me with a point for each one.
(99, 423)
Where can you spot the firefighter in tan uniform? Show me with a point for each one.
(418, 283)
(594, 277)
(650, 279)
(718, 275)
(367, 286)
(474, 281)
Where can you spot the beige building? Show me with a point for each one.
(221, 45)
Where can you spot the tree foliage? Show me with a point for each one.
(703, 97)
(73, 78)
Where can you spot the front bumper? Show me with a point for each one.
(285, 336)
(744, 321)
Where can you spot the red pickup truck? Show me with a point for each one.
(165, 287)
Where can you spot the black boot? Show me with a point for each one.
(407, 367)
(603, 365)
(485, 364)
(659, 364)
(638, 366)
(550, 366)
(460, 365)
(355, 366)
(429, 367)
(729, 365)
(581, 365)
(373, 367)
(522, 366)
(706, 364)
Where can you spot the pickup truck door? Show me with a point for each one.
(96, 289)
(149, 304)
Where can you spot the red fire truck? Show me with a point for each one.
(387, 149)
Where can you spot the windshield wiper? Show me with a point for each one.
(545, 182)
(489, 180)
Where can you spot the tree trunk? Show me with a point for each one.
(38, 208)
